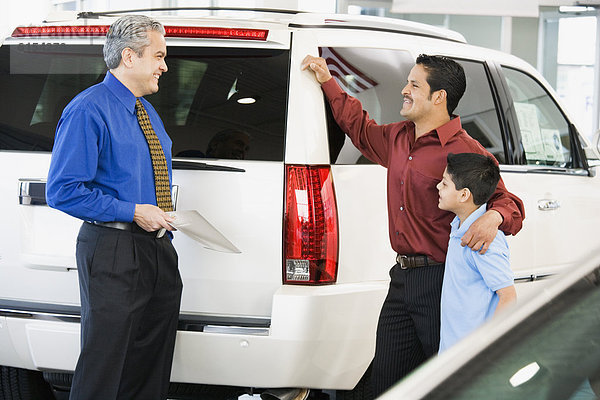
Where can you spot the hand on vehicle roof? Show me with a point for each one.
(318, 66)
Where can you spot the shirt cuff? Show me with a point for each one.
(125, 211)
(506, 216)
(502, 285)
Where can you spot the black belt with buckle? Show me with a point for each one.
(129, 227)
(414, 261)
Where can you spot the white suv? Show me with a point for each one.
(257, 153)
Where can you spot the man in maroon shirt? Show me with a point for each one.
(414, 152)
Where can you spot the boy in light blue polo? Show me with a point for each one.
(475, 285)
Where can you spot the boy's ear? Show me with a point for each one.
(465, 195)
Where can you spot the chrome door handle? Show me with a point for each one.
(32, 192)
(548, 205)
(174, 195)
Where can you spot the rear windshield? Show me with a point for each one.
(214, 102)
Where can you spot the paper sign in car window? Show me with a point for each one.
(553, 147)
(530, 131)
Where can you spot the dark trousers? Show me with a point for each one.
(130, 291)
(408, 331)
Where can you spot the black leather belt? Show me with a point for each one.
(415, 261)
(129, 227)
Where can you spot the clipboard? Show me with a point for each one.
(194, 225)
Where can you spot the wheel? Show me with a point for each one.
(23, 384)
(362, 390)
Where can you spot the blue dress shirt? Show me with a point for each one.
(101, 166)
(471, 279)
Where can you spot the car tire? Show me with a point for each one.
(362, 390)
(23, 384)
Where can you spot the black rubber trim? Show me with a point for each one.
(201, 166)
(370, 28)
(95, 14)
(187, 322)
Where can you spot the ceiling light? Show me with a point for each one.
(246, 100)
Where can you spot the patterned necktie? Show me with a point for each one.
(159, 163)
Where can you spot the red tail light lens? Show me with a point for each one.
(170, 31)
(85, 30)
(311, 226)
(216, 33)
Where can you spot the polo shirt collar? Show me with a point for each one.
(120, 91)
(449, 129)
(460, 231)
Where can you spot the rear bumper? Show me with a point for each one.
(320, 337)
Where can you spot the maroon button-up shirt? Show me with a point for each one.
(417, 225)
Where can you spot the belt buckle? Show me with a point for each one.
(401, 259)
(160, 233)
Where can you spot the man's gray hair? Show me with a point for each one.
(130, 31)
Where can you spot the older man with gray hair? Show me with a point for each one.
(111, 167)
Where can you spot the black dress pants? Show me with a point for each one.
(408, 331)
(130, 291)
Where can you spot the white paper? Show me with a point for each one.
(530, 131)
(194, 225)
(552, 145)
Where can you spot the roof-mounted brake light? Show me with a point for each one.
(216, 33)
(87, 30)
(170, 31)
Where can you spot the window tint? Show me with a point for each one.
(555, 354)
(214, 102)
(544, 130)
(477, 110)
(377, 76)
(37, 82)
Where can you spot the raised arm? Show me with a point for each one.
(368, 136)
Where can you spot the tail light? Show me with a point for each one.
(311, 226)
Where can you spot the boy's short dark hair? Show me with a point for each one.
(445, 73)
(476, 172)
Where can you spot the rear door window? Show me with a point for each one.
(478, 111)
(214, 102)
(377, 76)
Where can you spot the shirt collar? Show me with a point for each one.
(449, 129)
(120, 91)
(460, 231)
